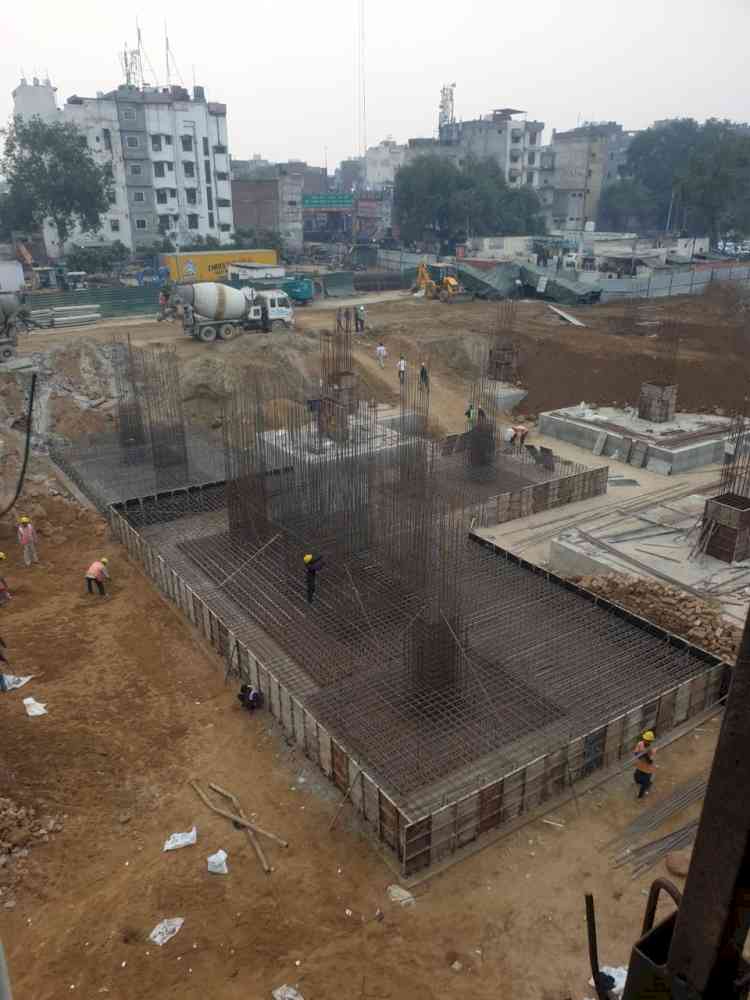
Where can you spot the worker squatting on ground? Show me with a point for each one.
(5, 594)
(401, 365)
(313, 565)
(644, 763)
(97, 573)
(381, 354)
(360, 316)
(249, 698)
(27, 540)
(424, 376)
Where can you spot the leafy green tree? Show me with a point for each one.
(628, 206)
(52, 177)
(248, 238)
(434, 195)
(97, 260)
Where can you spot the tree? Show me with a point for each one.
(97, 260)
(52, 177)
(432, 194)
(627, 206)
(248, 238)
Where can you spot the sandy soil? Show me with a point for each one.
(137, 705)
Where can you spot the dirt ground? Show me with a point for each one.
(137, 706)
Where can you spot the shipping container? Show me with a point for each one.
(211, 265)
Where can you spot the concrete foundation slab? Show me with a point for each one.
(689, 441)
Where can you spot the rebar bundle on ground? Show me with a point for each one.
(645, 857)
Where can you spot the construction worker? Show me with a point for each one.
(380, 354)
(644, 763)
(424, 376)
(27, 540)
(249, 698)
(471, 416)
(313, 565)
(401, 369)
(97, 573)
(360, 314)
(5, 594)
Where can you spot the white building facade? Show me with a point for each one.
(382, 162)
(169, 157)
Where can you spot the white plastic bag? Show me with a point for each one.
(398, 895)
(217, 863)
(12, 682)
(34, 707)
(286, 993)
(180, 840)
(166, 929)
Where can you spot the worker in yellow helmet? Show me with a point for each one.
(313, 565)
(644, 763)
(97, 573)
(27, 540)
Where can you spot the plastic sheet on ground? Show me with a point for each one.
(286, 993)
(498, 282)
(12, 682)
(555, 287)
(217, 863)
(398, 895)
(338, 284)
(34, 707)
(177, 840)
(618, 973)
(166, 929)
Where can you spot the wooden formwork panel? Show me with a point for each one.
(370, 800)
(285, 705)
(311, 738)
(613, 741)
(514, 788)
(298, 724)
(490, 806)
(356, 784)
(575, 759)
(665, 712)
(555, 776)
(417, 845)
(649, 714)
(339, 767)
(682, 703)
(443, 842)
(534, 780)
(467, 819)
(324, 747)
(698, 693)
(388, 823)
(632, 731)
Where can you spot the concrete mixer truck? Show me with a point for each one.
(214, 311)
(14, 315)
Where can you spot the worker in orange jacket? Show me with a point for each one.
(644, 763)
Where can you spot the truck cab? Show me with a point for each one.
(277, 309)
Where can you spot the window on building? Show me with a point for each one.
(191, 196)
(170, 166)
(161, 197)
(173, 192)
(292, 204)
(159, 169)
(529, 178)
(219, 148)
(128, 114)
(223, 202)
(114, 225)
(209, 198)
(113, 197)
(107, 139)
(207, 170)
(163, 223)
(532, 138)
(136, 169)
(175, 219)
(167, 140)
(156, 143)
(210, 220)
(187, 143)
(205, 146)
(221, 175)
(188, 168)
(139, 196)
(532, 159)
(141, 224)
(132, 141)
(224, 227)
(192, 221)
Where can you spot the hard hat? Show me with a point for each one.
(25, 520)
(104, 560)
(308, 558)
(648, 736)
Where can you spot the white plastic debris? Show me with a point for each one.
(166, 929)
(178, 840)
(398, 895)
(286, 993)
(217, 863)
(12, 682)
(34, 707)
(619, 974)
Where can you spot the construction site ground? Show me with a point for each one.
(138, 705)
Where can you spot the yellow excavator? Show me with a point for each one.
(447, 289)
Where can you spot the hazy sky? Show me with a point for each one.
(286, 68)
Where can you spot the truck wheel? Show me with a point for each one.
(278, 324)
(227, 331)
(7, 353)
(207, 334)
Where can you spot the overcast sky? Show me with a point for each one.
(286, 68)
